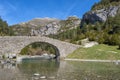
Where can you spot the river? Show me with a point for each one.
(36, 69)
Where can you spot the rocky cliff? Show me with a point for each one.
(100, 14)
(45, 26)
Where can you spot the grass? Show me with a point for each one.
(102, 52)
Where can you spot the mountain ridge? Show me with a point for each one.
(45, 26)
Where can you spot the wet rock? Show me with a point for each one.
(36, 74)
(52, 77)
(43, 77)
(36, 78)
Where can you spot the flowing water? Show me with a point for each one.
(35, 69)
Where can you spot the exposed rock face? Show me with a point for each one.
(99, 15)
(45, 26)
(50, 28)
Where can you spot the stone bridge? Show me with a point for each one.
(14, 44)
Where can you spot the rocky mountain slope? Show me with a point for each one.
(101, 12)
(102, 22)
(45, 26)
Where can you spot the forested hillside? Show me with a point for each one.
(4, 29)
(106, 31)
(105, 4)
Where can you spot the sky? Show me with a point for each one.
(17, 11)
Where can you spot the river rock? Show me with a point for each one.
(52, 77)
(36, 74)
(43, 77)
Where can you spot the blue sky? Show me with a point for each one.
(17, 11)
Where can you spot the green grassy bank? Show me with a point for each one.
(101, 52)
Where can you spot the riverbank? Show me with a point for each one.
(97, 52)
(89, 60)
(44, 56)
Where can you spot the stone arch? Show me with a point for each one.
(14, 44)
(57, 52)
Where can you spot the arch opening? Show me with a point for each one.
(41, 49)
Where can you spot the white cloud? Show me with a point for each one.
(3, 11)
(11, 6)
(6, 8)
(70, 8)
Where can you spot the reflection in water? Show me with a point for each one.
(43, 67)
(65, 70)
